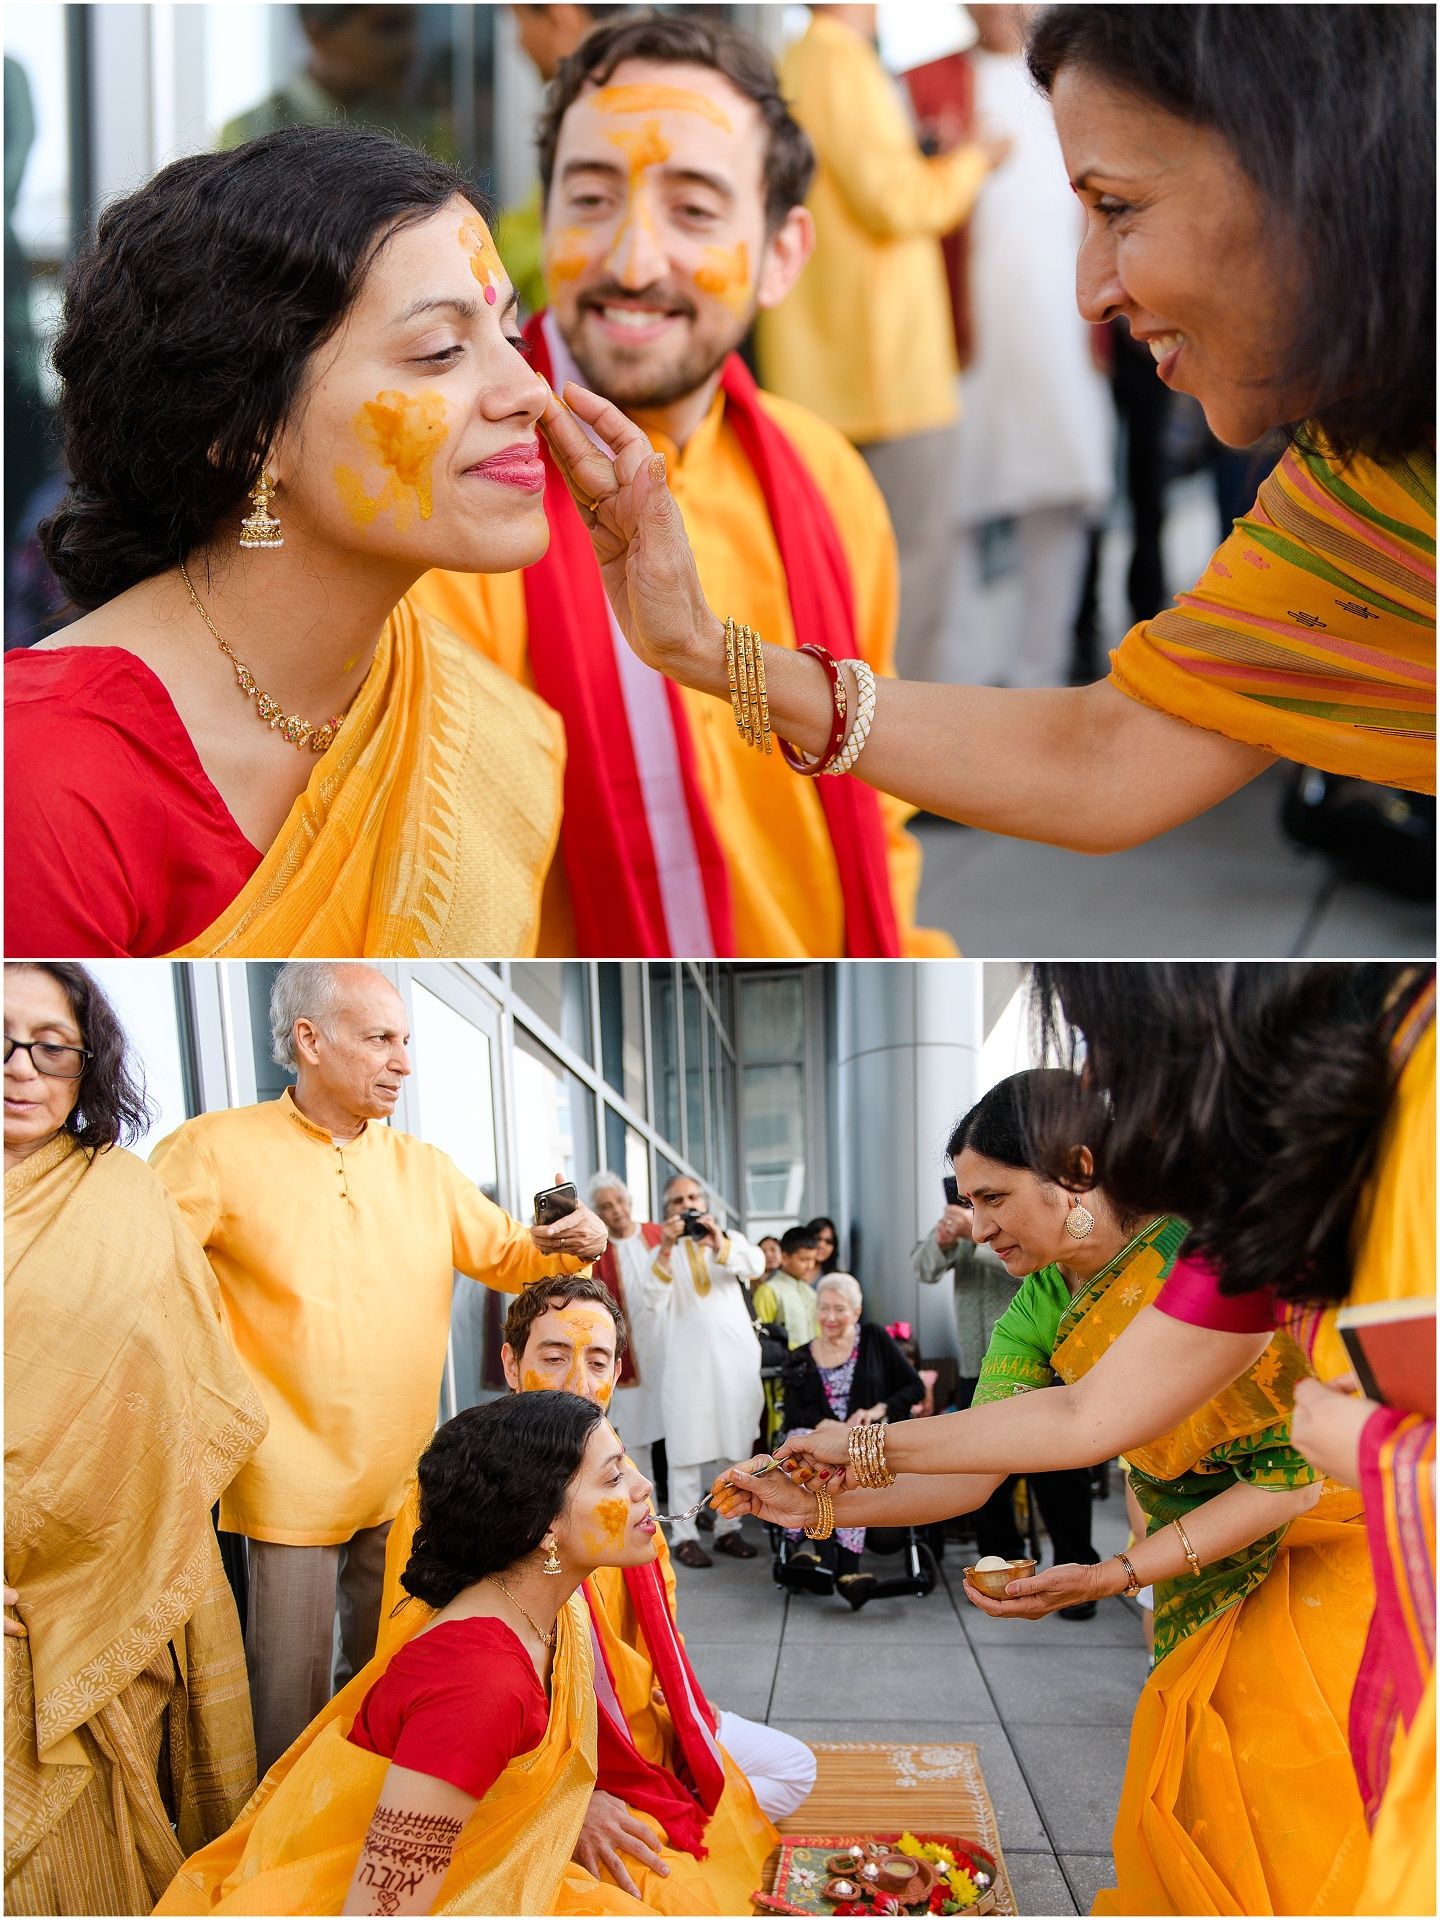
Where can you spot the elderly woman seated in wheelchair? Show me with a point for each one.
(850, 1374)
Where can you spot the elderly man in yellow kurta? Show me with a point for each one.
(334, 1240)
(885, 373)
(674, 182)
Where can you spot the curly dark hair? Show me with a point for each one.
(692, 38)
(568, 1290)
(1247, 1098)
(491, 1484)
(111, 1108)
(1330, 110)
(1000, 1126)
(188, 328)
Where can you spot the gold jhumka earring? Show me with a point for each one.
(260, 528)
(1079, 1222)
(551, 1562)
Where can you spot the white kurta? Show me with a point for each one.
(637, 1413)
(1037, 425)
(711, 1391)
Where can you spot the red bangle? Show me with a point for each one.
(792, 756)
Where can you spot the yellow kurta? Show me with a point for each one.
(334, 1265)
(864, 338)
(425, 830)
(125, 1415)
(784, 880)
(783, 1297)
(294, 1848)
(738, 1836)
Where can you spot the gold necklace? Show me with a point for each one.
(300, 733)
(545, 1639)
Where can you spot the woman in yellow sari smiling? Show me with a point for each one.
(127, 1714)
(453, 1774)
(291, 384)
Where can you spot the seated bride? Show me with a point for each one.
(454, 1772)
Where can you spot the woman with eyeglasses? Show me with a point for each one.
(128, 1740)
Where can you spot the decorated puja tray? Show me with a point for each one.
(863, 1874)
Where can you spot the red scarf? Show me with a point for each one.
(605, 835)
(682, 1799)
(607, 1271)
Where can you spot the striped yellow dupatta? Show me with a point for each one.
(427, 828)
(1312, 632)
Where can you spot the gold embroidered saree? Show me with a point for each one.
(294, 1848)
(127, 1706)
(427, 828)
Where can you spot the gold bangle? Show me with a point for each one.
(1190, 1553)
(823, 1524)
(865, 1450)
(1132, 1582)
(730, 670)
(759, 659)
(745, 722)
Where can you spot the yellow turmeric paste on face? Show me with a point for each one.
(402, 432)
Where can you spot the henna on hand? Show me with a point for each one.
(403, 1849)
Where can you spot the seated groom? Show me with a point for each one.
(674, 182)
(684, 1795)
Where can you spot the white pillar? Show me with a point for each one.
(908, 1046)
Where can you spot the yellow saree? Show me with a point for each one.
(1228, 1807)
(738, 1836)
(126, 1412)
(426, 829)
(1312, 632)
(294, 1848)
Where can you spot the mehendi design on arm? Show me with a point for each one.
(402, 1849)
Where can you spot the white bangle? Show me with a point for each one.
(864, 713)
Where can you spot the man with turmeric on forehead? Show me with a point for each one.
(676, 1777)
(674, 182)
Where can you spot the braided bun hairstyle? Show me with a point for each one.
(491, 1483)
(189, 326)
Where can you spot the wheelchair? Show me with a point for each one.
(919, 1548)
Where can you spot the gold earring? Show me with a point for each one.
(1079, 1222)
(551, 1562)
(260, 528)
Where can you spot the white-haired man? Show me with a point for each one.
(711, 1394)
(333, 1241)
(624, 1268)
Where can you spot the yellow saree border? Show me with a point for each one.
(427, 828)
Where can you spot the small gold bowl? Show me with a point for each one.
(994, 1580)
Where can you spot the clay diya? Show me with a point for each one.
(848, 1861)
(841, 1889)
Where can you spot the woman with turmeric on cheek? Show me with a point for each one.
(250, 744)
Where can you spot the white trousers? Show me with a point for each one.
(780, 1768)
(1020, 640)
(686, 1486)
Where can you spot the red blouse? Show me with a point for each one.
(116, 840)
(1192, 1294)
(458, 1702)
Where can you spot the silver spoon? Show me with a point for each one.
(768, 1465)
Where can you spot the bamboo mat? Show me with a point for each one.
(879, 1786)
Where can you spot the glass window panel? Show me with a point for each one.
(637, 1173)
(665, 1172)
(144, 994)
(627, 1154)
(622, 1030)
(554, 1122)
(773, 1142)
(664, 1053)
(454, 1087)
(270, 1080)
(559, 992)
(695, 1147)
(725, 1125)
(455, 1109)
(774, 1017)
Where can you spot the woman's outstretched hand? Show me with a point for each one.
(638, 536)
(769, 1496)
(1063, 1586)
(827, 1445)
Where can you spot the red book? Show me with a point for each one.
(1391, 1345)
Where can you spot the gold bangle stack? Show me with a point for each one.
(745, 665)
(823, 1524)
(1190, 1553)
(866, 1449)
